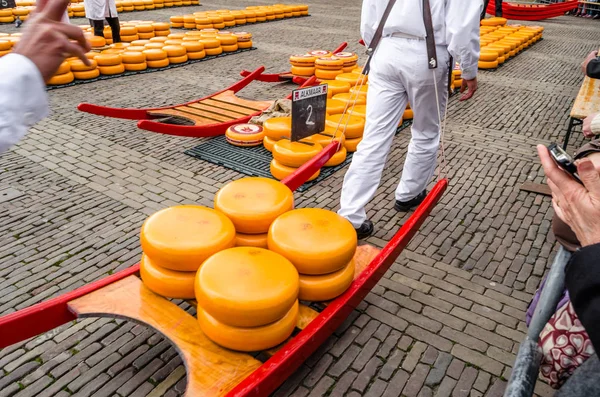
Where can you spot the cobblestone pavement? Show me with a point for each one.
(445, 320)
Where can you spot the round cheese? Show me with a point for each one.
(303, 60)
(60, 79)
(251, 240)
(329, 63)
(135, 67)
(359, 90)
(174, 50)
(171, 236)
(248, 339)
(338, 158)
(351, 99)
(77, 65)
(335, 106)
(133, 57)
(487, 65)
(65, 67)
(326, 137)
(245, 135)
(247, 286)
(155, 54)
(268, 143)
(192, 46)
(196, 55)
(315, 240)
(336, 87)
(165, 282)
(303, 70)
(322, 74)
(159, 39)
(358, 111)
(408, 114)
(253, 203)
(280, 171)
(352, 126)
(111, 70)
(352, 78)
(320, 53)
(179, 59)
(87, 74)
(108, 59)
(163, 63)
(326, 286)
(352, 144)
(97, 41)
(278, 128)
(214, 51)
(294, 154)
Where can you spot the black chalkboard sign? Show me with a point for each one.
(308, 111)
(8, 4)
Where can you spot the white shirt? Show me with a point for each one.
(455, 25)
(100, 9)
(23, 98)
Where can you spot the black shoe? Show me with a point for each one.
(404, 206)
(365, 230)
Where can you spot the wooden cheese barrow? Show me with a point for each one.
(211, 369)
(204, 117)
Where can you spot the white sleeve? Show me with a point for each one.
(368, 14)
(23, 99)
(462, 34)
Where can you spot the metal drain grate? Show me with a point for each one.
(253, 161)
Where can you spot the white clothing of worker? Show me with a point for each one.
(399, 74)
(23, 99)
(100, 9)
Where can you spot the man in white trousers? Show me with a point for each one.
(399, 74)
(45, 44)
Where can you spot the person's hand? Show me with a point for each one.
(587, 126)
(47, 42)
(578, 206)
(470, 86)
(591, 55)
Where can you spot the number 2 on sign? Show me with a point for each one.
(308, 119)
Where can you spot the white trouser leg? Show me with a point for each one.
(386, 101)
(421, 158)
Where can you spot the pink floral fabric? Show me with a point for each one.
(564, 344)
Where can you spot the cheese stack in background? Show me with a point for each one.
(321, 245)
(176, 241)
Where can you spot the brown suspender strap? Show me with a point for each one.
(377, 36)
(430, 39)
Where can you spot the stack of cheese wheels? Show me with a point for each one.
(351, 126)
(176, 53)
(212, 46)
(303, 65)
(81, 71)
(244, 39)
(189, 21)
(63, 75)
(457, 76)
(96, 42)
(252, 204)
(327, 68)
(129, 33)
(408, 113)
(110, 64)
(288, 156)
(488, 59)
(195, 49)
(245, 135)
(156, 57)
(6, 16)
(176, 21)
(5, 44)
(176, 241)
(145, 31)
(275, 129)
(321, 245)
(227, 41)
(134, 61)
(336, 87)
(349, 58)
(247, 298)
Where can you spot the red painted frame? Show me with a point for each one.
(285, 76)
(533, 12)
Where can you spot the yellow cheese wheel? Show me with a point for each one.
(146, 36)
(338, 158)
(64, 68)
(322, 74)
(253, 203)
(162, 63)
(358, 111)
(294, 154)
(87, 74)
(77, 65)
(303, 70)
(170, 236)
(245, 44)
(494, 21)
(229, 48)
(59, 79)
(487, 65)
(268, 143)
(174, 50)
(128, 30)
(352, 144)
(135, 67)
(320, 54)
(280, 171)
(336, 87)
(360, 90)
(408, 114)
(135, 48)
(161, 26)
(326, 137)
(179, 59)
(97, 41)
(168, 42)
(141, 42)
(247, 286)
(120, 45)
(155, 54)
(214, 51)
(302, 60)
(248, 339)
(5, 45)
(129, 39)
(315, 240)
(110, 70)
(352, 78)
(352, 126)
(251, 240)
(113, 51)
(347, 57)
(326, 286)
(226, 39)
(159, 39)
(245, 135)
(7, 19)
(277, 128)
(165, 282)
(176, 18)
(133, 57)
(108, 59)
(329, 63)
(351, 99)
(335, 106)
(196, 55)
(209, 42)
(192, 46)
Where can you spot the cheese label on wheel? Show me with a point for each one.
(320, 53)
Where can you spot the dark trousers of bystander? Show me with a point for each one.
(98, 25)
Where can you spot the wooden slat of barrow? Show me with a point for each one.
(172, 112)
(211, 370)
(219, 110)
(219, 118)
(229, 106)
(229, 97)
(587, 101)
